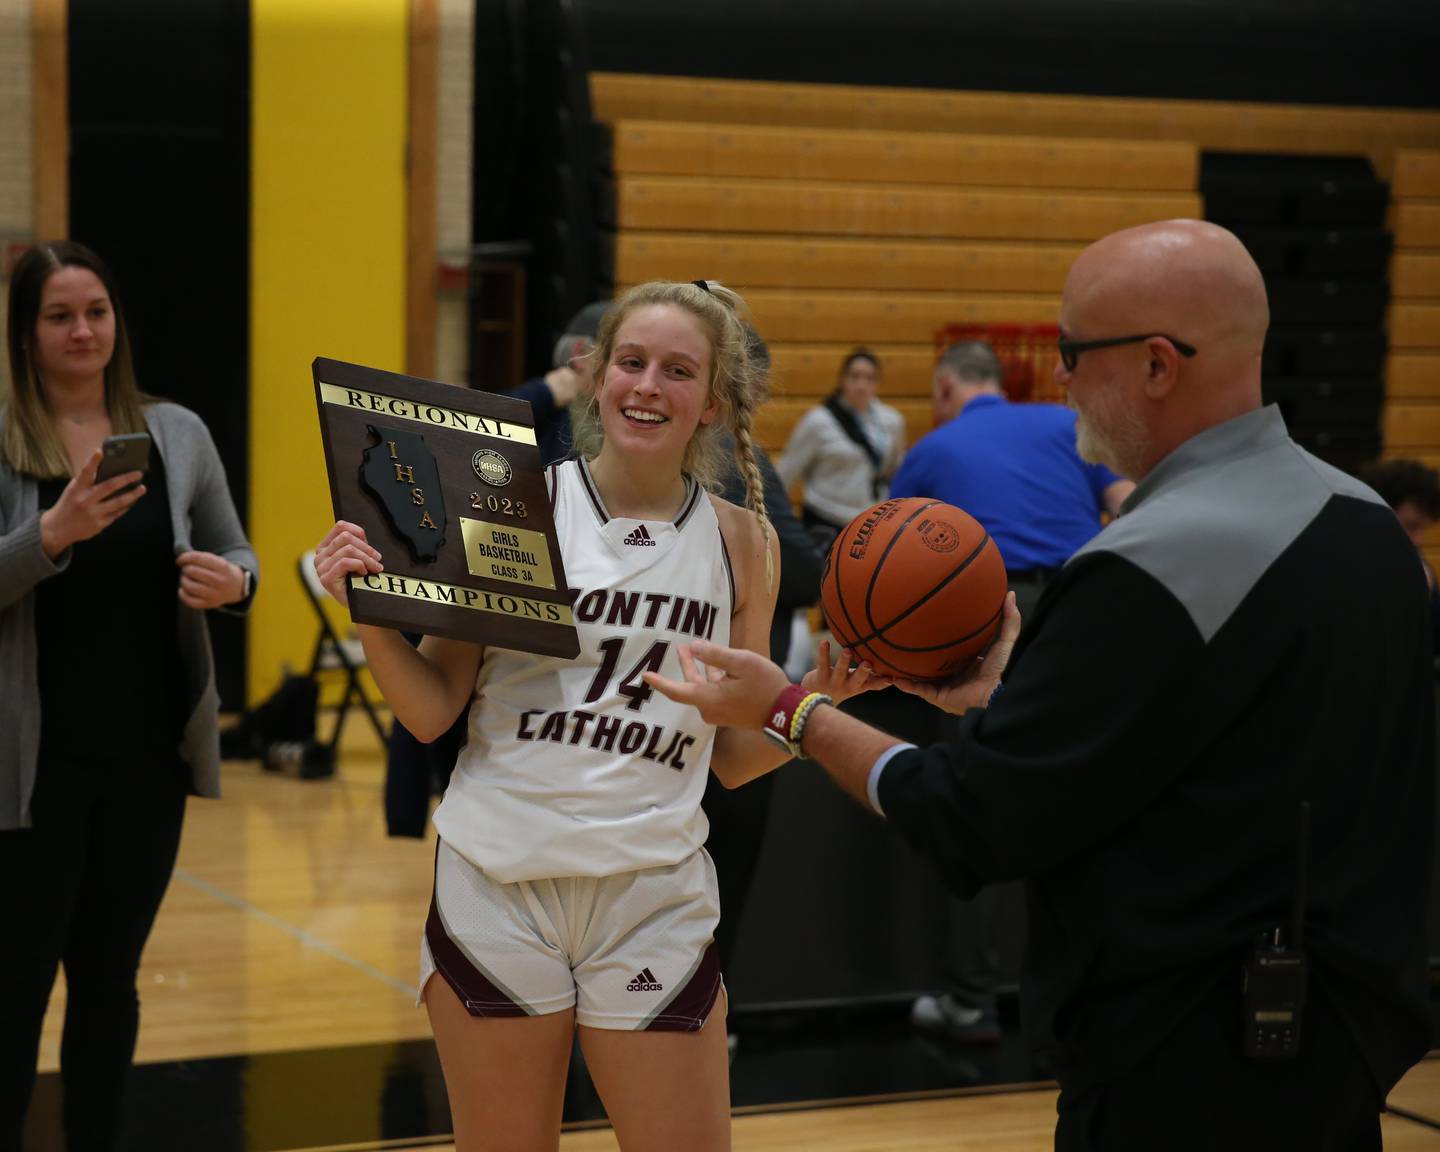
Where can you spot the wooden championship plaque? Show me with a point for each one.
(448, 485)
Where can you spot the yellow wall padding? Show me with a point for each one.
(327, 273)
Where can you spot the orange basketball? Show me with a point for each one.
(914, 587)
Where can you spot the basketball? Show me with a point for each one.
(915, 588)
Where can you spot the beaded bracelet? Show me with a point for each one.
(802, 714)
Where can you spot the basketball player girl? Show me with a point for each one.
(571, 887)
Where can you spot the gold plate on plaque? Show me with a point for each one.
(504, 552)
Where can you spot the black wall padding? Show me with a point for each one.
(1358, 52)
(533, 54)
(1315, 225)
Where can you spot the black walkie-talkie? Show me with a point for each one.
(1276, 975)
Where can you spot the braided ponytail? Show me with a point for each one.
(754, 481)
(747, 391)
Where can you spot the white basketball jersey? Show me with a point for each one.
(577, 767)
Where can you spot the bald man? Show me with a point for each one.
(1248, 635)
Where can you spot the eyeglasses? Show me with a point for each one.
(1070, 349)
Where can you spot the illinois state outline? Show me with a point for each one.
(395, 467)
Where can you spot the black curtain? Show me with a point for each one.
(160, 188)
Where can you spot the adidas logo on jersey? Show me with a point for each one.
(645, 981)
(640, 538)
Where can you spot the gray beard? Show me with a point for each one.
(1122, 451)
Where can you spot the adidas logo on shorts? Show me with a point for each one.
(640, 538)
(645, 981)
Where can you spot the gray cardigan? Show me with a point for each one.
(202, 516)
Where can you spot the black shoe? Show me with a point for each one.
(241, 742)
(317, 762)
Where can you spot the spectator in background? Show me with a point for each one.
(844, 450)
(1015, 468)
(414, 771)
(571, 373)
(107, 686)
(1412, 490)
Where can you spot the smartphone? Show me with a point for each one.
(127, 453)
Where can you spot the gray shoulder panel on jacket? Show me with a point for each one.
(1211, 535)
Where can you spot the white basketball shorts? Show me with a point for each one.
(632, 952)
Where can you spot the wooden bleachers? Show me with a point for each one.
(807, 316)
(1215, 124)
(1415, 275)
(1416, 174)
(1417, 224)
(784, 153)
(791, 207)
(826, 262)
(1412, 375)
(840, 235)
(1414, 324)
(1412, 427)
(851, 214)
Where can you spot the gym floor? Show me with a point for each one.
(278, 1012)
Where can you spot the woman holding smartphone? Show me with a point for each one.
(106, 678)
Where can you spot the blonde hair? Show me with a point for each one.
(736, 383)
(29, 443)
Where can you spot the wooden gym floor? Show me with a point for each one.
(278, 1012)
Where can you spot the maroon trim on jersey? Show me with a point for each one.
(689, 1008)
(590, 490)
(729, 567)
(473, 988)
(688, 508)
(552, 483)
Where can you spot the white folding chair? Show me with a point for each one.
(335, 653)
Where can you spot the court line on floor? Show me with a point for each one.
(1413, 1117)
(404, 1144)
(310, 941)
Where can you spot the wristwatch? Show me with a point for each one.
(249, 584)
(785, 724)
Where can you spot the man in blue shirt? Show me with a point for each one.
(1015, 468)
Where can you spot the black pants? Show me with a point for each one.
(414, 772)
(738, 818)
(82, 887)
(972, 961)
(1198, 1093)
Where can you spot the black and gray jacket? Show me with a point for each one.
(1251, 632)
